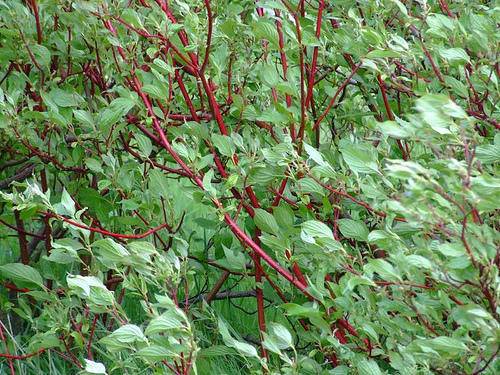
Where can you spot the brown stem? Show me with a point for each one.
(211, 295)
(21, 234)
(37, 21)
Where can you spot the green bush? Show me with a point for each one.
(282, 187)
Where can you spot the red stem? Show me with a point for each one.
(388, 110)
(91, 337)
(259, 296)
(211, 295)
(233, 226)
(19, 231)
(209, 37)
(272, 263)
(16, 289)
(21, 357)
(435, 68)
(37, 21)
(315, 54)
(445, 9)
(350, 197)
(279, 194)
(298, 30)
(109, 234)
(23, 242)
(11, 363)
(214, 106)
(284, 65)
(337, 93)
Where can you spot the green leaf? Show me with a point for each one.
(309, 185)
(489, 154)
(155, 353)
(94, 165)
(207, 183)
(433, 109)
(368, 367)
(293, 309)
(82, 285)
(354, 281)
(265, 221)
(144, 144)
(127, 333)
(109, 250)
(270, 344)
(65, 251)
(158, 183)
(383, 268)
(393, 129)
(130, 16)
(115, 111)
(451, 249)
(315, 155)
(273, 116)
(155, 91)
(361, 158)
(224, 144)
(243, 348)
(43, 340)
(166, 322)
(324, 241)
(68, 203)
(264, 29)
(21, 273)
(92, 367)
(235, 258)
(377, 53)
(85, 117)
(401, 7)
(163, 66)
(314, 228)
(42, 54)
(454, 55)
(354, 229)
(340, 370)
(281, 335)
(284, 216)
(419, 261)
(446, 346)
(65, 98)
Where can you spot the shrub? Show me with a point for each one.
(250, 187)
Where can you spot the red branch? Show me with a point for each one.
(23, 242)
(337, 93)
(11, 363)
(209, 36)
(21, 357)
(105, 232)
(350, 197)
(37, 21)
(315, 54)
(390, 115)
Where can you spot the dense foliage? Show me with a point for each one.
(240, 186)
